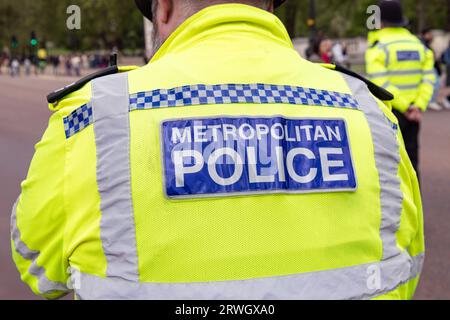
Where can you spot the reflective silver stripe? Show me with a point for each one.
(388, 57)
(387, 158)
(387, 44)
(428, 82)
(110, 104)
(386, 85)
(45, 286)
(408, 87)
(396, 73)
(377, 75)
(429, 72)
(338, 284)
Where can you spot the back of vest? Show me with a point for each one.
(236, 181)
(406, 59)
(406, 55)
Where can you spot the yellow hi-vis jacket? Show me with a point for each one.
(227, 168)
(399, 62)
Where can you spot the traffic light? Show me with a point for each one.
(33, 41)
(14, 42)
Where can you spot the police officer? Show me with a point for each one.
(227, 168)
(399, 62)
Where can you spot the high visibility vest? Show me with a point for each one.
(227, 168)
(372, 37)
(399, 62)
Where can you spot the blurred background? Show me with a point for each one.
(42, 49)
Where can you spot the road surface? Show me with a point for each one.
(24, 116)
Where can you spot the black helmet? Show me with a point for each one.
(146, 6)
(392, 13)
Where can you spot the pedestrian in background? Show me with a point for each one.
(399, 62)
(325, 51)
(313, 51)
(14, 67)
(339, 54)
(84, 61)
(76, 65)
(27, 66)
(3, 58)
(55, 61)
(68, 65)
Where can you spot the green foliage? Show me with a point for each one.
(104, 23)
(107, 23)
(347, 18)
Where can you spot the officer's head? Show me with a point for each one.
(392, 13)
(167, 15)
(427, 35)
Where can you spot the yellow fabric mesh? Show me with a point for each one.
(251, 236)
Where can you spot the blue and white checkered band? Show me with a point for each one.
(218, 94)
(239, 93)
(78, 120)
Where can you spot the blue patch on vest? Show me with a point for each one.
(408, 56)
(237, 156)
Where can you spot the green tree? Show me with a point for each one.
(107, 23)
